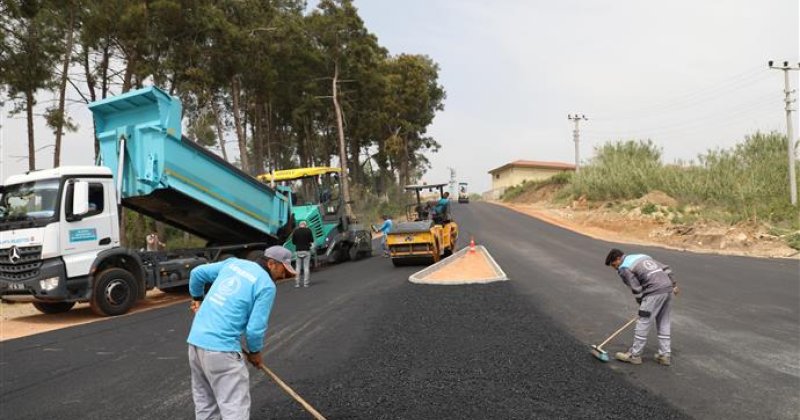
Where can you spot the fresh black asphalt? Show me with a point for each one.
(362, 342)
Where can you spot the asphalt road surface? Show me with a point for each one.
(363, 343)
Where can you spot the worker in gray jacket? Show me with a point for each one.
(652, 284)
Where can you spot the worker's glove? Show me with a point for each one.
(639, 300)
(254, 358)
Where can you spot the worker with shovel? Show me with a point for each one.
(653, 285)
(237, 305)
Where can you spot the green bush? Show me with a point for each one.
(793, 240)
(746, 182)
(513, 192)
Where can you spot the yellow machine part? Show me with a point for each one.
(297, 173)
(422, 247)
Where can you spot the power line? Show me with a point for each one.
(738, 81)
(758, 103)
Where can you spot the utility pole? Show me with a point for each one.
(576, 137)
(789, 129)
(452, 181)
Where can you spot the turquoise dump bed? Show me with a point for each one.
(174, 180)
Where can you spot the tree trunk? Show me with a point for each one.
(220, 133)
(258, 136)
(90, 82)
(31, 145)
(104, 63)
(355, 161)
(62, 90)
(127, 80)
(342, 151)
(237, 122)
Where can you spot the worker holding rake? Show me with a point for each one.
(652, 284)
(236, 306)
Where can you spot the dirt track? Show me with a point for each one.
(22, 319)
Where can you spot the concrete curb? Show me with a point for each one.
(419, 276)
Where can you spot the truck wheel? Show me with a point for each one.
(114, 292)
(352, 252)
(53, 307)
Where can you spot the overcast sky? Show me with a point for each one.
(690, 75)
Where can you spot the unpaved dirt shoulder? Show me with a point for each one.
(22, 319)
(617, 228)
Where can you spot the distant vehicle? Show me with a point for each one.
(463, 193)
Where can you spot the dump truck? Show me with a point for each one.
(60, 231)
(317, 200)
(426, 236)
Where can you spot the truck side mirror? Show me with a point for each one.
(80, 199)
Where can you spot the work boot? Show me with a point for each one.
(628, 358)
(663, 359)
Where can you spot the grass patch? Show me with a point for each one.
(746, 182)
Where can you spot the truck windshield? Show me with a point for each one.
(31, 201)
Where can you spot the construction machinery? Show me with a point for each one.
(60, 228)
(317, 200)
(428, 235)
(463, 193)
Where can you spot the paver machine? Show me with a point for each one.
(428, 235)
(316, 199)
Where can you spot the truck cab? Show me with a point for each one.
(53, 225)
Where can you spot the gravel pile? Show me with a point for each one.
(480, 351)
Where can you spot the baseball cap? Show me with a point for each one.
(281, 255)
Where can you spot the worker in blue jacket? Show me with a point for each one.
(237, 305)
(384, 229)
(442, 208)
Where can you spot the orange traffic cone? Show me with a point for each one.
(472, 245)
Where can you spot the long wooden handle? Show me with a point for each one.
(291, 392)
(616, 333)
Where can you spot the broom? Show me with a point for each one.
(291, 392)
(597, 350)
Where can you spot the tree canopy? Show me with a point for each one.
(270, 77)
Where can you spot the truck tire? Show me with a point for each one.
(114, 292)
(53, 307)
(352, 252)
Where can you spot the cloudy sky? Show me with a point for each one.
(690, 75)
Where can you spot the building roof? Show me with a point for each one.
(534, 164)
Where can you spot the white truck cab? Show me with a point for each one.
(53, 225)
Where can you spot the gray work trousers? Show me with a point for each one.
(302, 266)
(220, 385)
(658, 308)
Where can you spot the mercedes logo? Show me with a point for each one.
(13, 255)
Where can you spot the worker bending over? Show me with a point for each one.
(653, 285)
